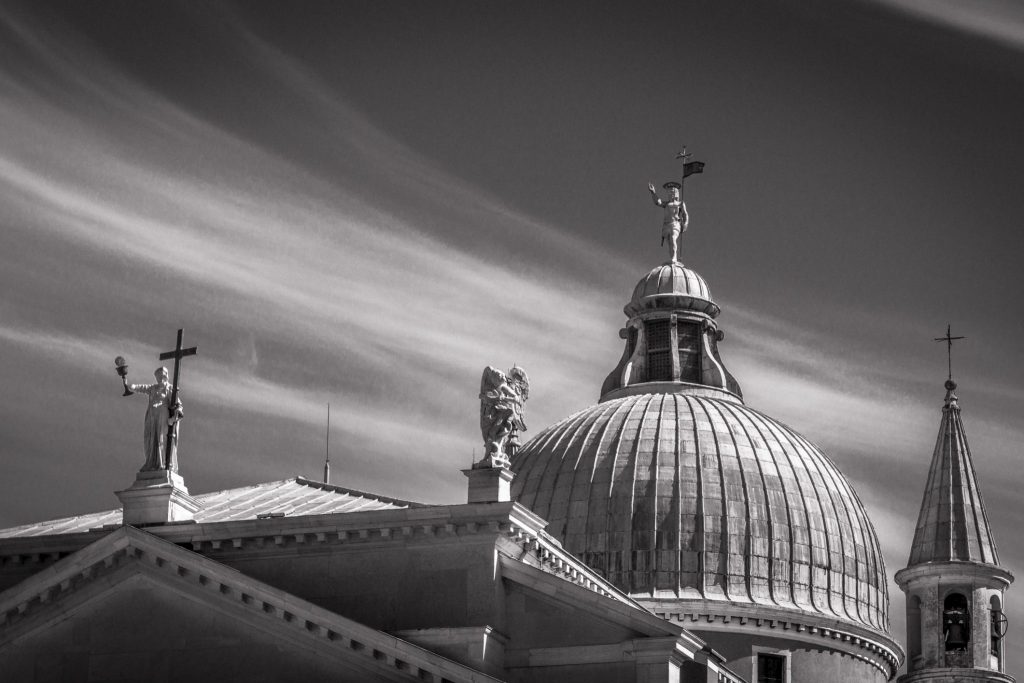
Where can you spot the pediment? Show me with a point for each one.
(131, 592)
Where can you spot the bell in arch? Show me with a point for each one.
(956, 624)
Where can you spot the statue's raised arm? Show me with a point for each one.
(658, 201)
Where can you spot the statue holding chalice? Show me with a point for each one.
(162, 417)
(160, 436)
(122, 369)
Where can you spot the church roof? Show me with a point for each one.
(952, 524)
(288, 498)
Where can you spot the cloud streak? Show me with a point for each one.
(1001, 21)
(370, 277)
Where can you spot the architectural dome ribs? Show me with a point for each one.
(673, 495)
(697, 506)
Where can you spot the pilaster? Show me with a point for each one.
(931, 626)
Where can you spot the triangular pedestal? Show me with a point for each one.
(157, 497)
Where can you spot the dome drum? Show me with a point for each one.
(670, 347)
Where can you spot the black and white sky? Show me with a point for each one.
(365, 203)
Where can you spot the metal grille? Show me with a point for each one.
(771, 669)
(658, 334)
(659, 348)
(659, 366)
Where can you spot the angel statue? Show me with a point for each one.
(501, 413)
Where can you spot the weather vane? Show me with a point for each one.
(676, 218)
(949, 339)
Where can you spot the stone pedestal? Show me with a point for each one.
(157, 497)
(489, 484)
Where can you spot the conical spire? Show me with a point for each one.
(952, 524)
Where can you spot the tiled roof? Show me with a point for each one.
(290, 497)
(953, 524)
(681, 496)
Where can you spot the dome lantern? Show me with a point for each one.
(671, 338)
(705, 511)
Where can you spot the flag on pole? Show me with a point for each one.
(692, 167)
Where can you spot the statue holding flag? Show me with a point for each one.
(676, 219)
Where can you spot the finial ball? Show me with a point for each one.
(950, 385)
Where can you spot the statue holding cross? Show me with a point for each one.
(160, 436)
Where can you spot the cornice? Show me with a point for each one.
(950, 571)
(872, 647)
(948, 675)
(352, 531)
(539, 549)
(425, 524)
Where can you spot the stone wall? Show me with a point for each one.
(807, 665)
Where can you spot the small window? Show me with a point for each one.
(771, 668)
(659, 335)
(659, 348)
(689, 351)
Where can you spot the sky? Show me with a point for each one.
(366, 203)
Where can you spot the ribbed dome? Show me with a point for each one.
(687, 496)
(672, 285)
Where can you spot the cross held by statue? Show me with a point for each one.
(177, 354)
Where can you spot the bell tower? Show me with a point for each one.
(953, 582)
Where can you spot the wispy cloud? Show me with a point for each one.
(284, 263)
(998, 20)
(371, 278)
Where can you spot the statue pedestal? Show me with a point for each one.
(490, 484)
(157, 497)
